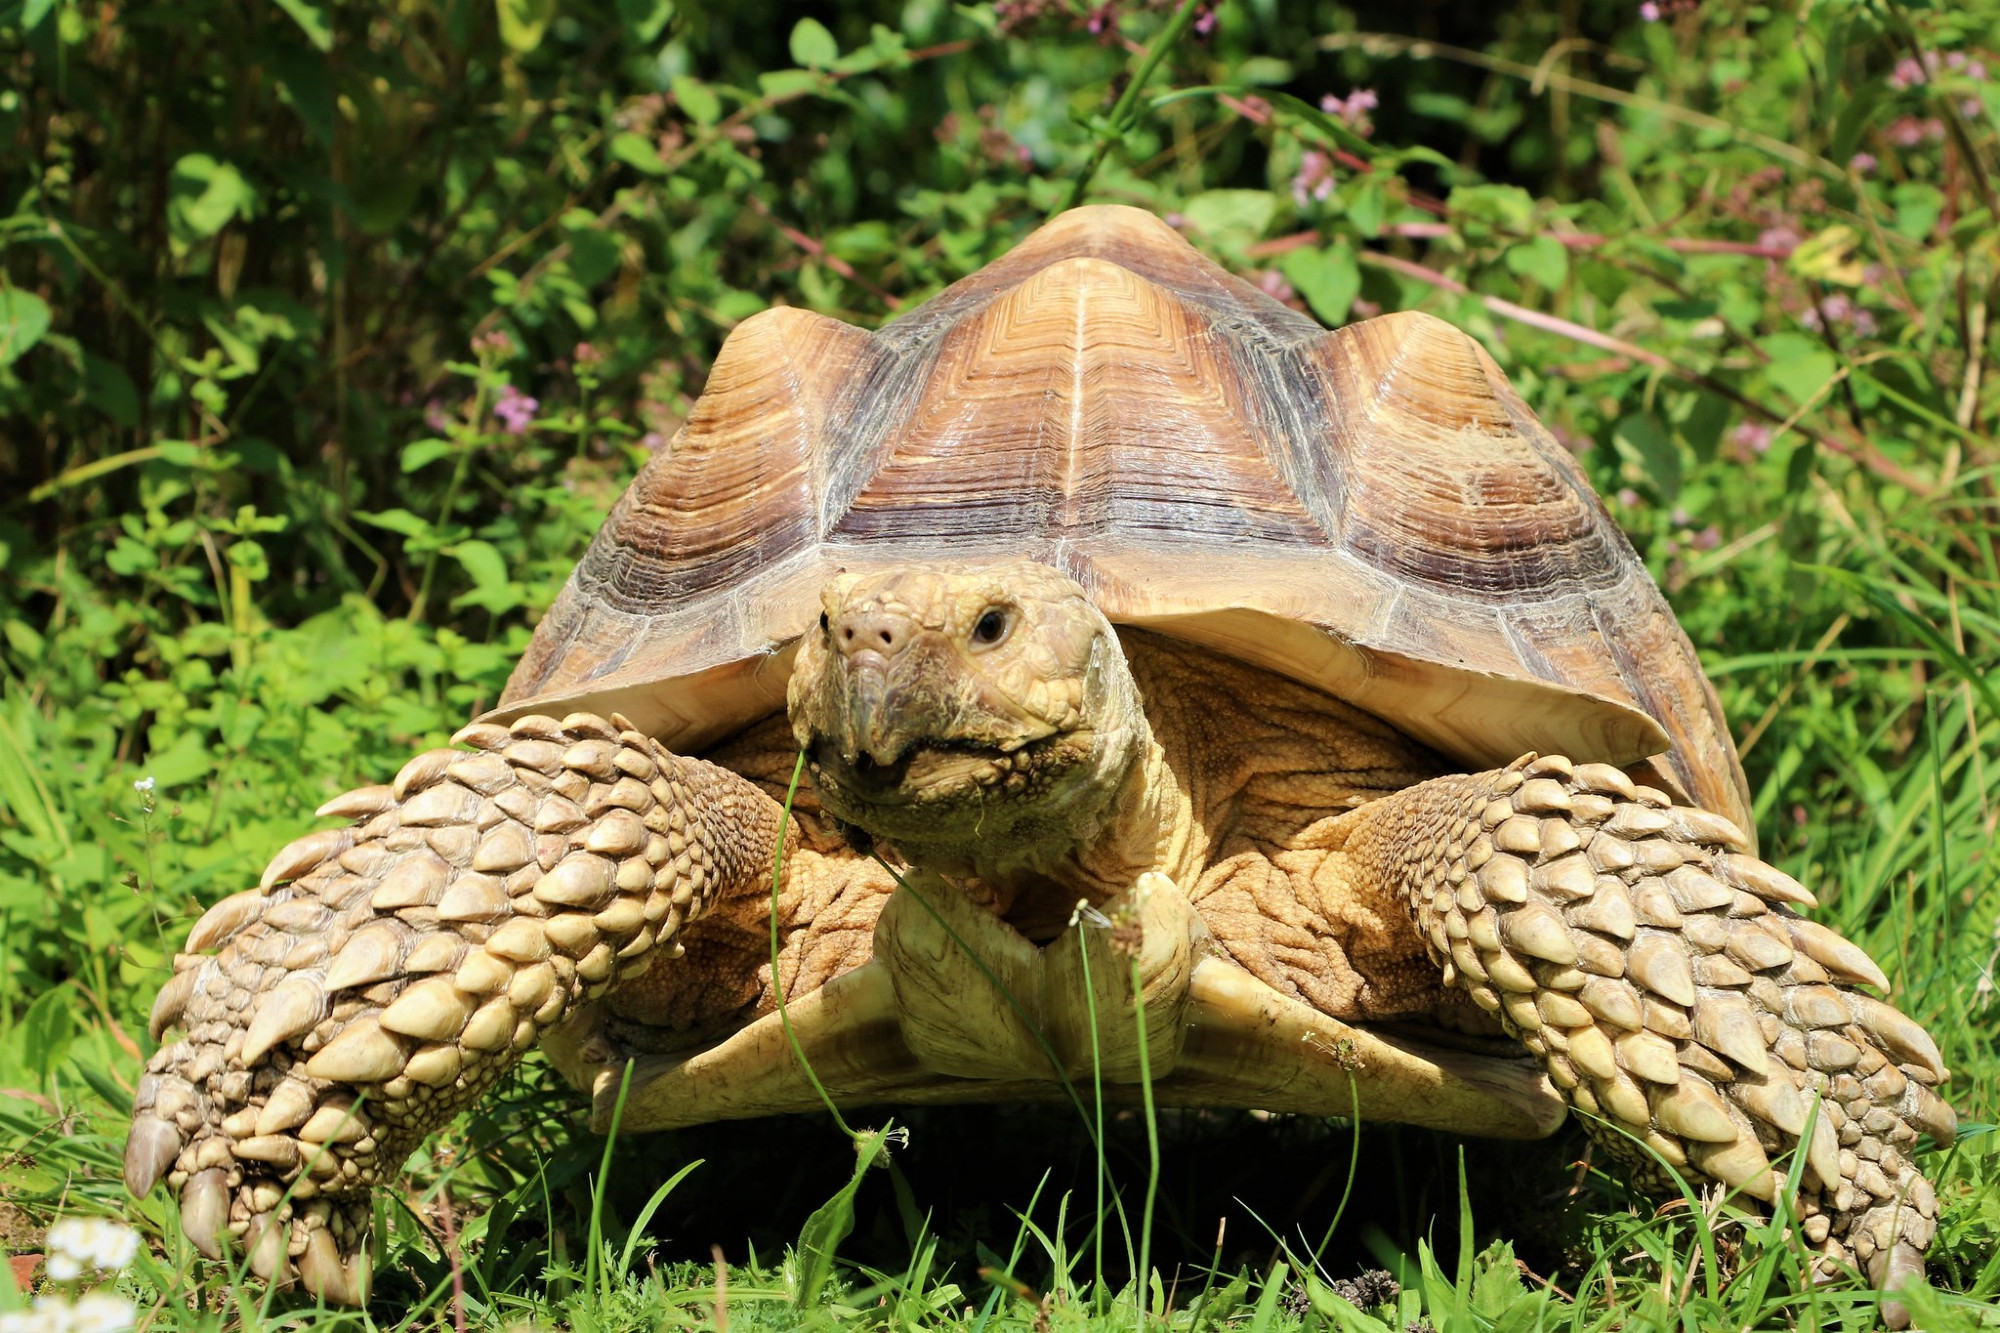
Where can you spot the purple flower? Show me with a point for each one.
(1204, 23)
(1272, 283)
(1649, 12)
(496, 342)
(436, 417)
(515, 410)
(1314, 179)
(1753, 436)
(1353, 109)
(1861, 163)
(1707, 539)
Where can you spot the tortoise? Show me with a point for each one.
(1102, 590)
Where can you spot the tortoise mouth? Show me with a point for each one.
(934, 770)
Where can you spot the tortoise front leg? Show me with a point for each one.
(1669, 987)
(386, 974)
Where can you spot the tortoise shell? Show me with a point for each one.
(1372, 511)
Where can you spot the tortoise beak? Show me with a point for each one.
(874, 709)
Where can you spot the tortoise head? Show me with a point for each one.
(946, 709)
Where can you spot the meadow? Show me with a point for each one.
(330, 329)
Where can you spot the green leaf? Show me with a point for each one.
(419, 454)
(694, 97)
(1918, 207)
(812, 45)
(1830, 256)
(24, 318)
(1543, 259)
(644, 19)
(1507, 206)
(306, 87)
(483, 563)
(207, 194)
(23, 798)
(1328, 278)
(1231, 220)
(523, 22)
(1799, 366)
(786, 83)
(396, 520)
(1337, 130)
(637, 153)
(110, 389)
(48, 1029)
(831, 1222)
(1645, 441)
(33, 12)
(311, 20)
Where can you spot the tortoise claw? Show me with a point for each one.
(149, 1153)
(205, 1209)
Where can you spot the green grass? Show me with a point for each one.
(265, 530)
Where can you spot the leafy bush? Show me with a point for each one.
(329, 330)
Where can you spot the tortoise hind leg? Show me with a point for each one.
(1669, 987)
(387, 973)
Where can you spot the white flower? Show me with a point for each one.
(92, 1312)
(145, 785)
(102, 1312)
(77, 1245)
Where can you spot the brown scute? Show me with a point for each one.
(1372, 511)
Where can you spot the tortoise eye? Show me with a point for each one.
(992, 628)
(825, 625)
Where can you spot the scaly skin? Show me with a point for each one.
(986, 723)
(1671, 991)
(387, 973)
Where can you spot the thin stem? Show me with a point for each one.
(1123, 111)
(1152, 1146)
(1096, 1095)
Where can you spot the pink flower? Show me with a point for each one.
(1204, 23)
(1972, 108)
(496, 342)
(436, 417)
(1754, 436)
(1861, 163)
(1272, 283)
(1906, 74)
(1905, 132)
(1649, 12)
(1314, 179)
(1353, 109)
(586, 354)
(515, 410)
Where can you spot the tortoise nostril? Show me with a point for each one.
(874, 629)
